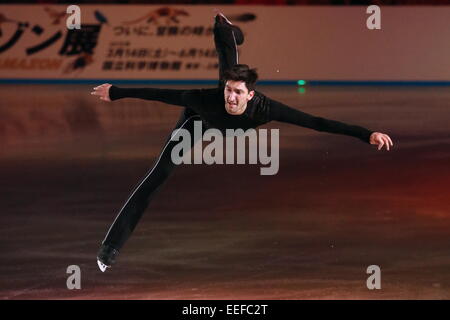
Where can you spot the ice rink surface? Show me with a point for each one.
(337, 205)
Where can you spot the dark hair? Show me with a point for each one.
(241, 72)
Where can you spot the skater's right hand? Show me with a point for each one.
(381, 139)
(102, 91)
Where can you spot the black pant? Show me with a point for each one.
(134, 207)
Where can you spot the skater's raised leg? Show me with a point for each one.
(227, 38)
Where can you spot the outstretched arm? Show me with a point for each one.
(184, 98)
(283, 113)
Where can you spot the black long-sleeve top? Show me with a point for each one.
(210, 105)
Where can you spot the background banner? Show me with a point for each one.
(176, 42)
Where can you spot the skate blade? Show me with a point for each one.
(102, 266)
(223, 16)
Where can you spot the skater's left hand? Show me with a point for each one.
(381, 140)
(102, 91)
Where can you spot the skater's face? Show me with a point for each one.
(236, 97)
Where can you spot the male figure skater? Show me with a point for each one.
(233, 104)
